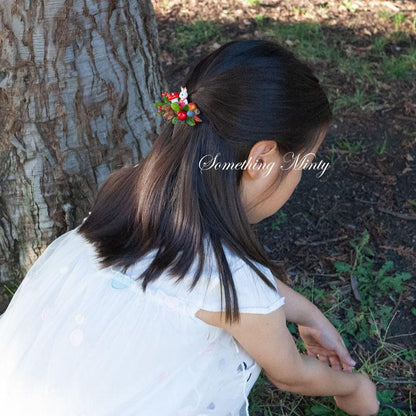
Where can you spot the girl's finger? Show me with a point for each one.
(322, 358)
(344, 355)
(335, 363)
(347, 368)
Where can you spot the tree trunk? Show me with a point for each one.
(78, 79)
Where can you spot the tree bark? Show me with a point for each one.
(78, 79)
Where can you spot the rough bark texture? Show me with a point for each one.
(78, 79)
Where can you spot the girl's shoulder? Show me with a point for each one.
(254, 295)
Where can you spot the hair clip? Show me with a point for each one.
(175, 107)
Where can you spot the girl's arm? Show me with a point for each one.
(298, 309)
(268, 341)
(319, 335)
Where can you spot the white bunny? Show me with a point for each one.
(183, 95)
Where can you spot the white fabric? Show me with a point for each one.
(77, 340)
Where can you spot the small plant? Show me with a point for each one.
(351, 7)
(381, 149)
(299, 10)
(386, 400)
(371, 282)
(259, 18)
(314, 294)
(398, 19)
(324, 409)
(368, 285)
(379, 44)
(401, 67)
(359, 99)
(384, 14)
(279, 219)
(351, 147)
(333, 155)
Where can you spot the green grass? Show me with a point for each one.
(333, 155)
(306, 38)
(352, 147)
(360, 100)
(398, 19)
(10, 291)
(367, 68)
(381, 149)
(402, 67)
(379, 44)
(385, 14)
(193, 34)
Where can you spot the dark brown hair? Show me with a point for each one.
(247, 91)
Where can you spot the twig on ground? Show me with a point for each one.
(410, 334)
(318, 243)
(398, 214)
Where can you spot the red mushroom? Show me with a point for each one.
(172, 96)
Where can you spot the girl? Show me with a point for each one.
(163, 302)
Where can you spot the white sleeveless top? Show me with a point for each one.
(79, 341)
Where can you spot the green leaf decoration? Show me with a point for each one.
(158, 104)
(175, 120)
(175, 106)
(165, 99)
(190, 121)
(185, 107)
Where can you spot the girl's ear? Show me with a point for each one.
(263, 153)
(262, 148)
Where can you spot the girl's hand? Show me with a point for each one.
(363, 401)
(325, 343)
(322, 340)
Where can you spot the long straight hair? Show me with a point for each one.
(247, 91)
